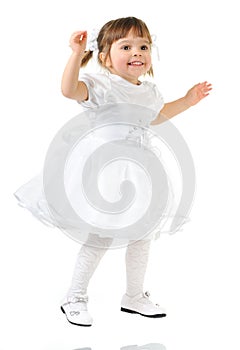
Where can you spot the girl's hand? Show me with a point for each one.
(197, 93)
(78, 42)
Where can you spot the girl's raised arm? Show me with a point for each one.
(71, 87)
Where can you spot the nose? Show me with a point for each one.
(137, 52)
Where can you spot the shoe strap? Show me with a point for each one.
(145, 295)
(77, 299)
(139, 296)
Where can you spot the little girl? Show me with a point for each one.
(124, 53)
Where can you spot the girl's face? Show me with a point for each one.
(130, 57)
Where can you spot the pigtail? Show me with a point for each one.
(150, 72)
(86, 58)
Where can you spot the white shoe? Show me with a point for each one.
(140, 304)
(75, 309)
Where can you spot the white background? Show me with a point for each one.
(193, 274)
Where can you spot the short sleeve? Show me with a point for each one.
(153, 98)
(97, 86)
(159, 98)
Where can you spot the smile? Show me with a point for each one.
(135, 63)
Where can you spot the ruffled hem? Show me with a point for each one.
(31, 196)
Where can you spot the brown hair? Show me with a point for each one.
(115, 30)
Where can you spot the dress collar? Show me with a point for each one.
(122, 80)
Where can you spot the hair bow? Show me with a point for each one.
(154, 45)
(92, 44)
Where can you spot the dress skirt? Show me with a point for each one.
(112, 178)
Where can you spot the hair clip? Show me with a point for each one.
(92, 44)
(154, 45)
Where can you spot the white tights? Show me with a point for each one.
(90, 255)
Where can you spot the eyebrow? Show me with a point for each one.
(126, 41)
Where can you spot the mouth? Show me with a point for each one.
(135, 63)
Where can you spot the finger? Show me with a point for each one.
(208, 87)
(79, 32)
(206, 84)
(78, 36)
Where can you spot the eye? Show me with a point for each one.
(144, 47)
(126, 47)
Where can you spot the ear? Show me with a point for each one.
(105, 59)
(102, 57)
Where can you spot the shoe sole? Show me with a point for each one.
(139, 313)
(76, 324)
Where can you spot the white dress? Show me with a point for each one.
(106, 88)
(103, 172)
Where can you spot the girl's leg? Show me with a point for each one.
(87, 261)
(137, 254)
(135, 301)
(75, 304)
